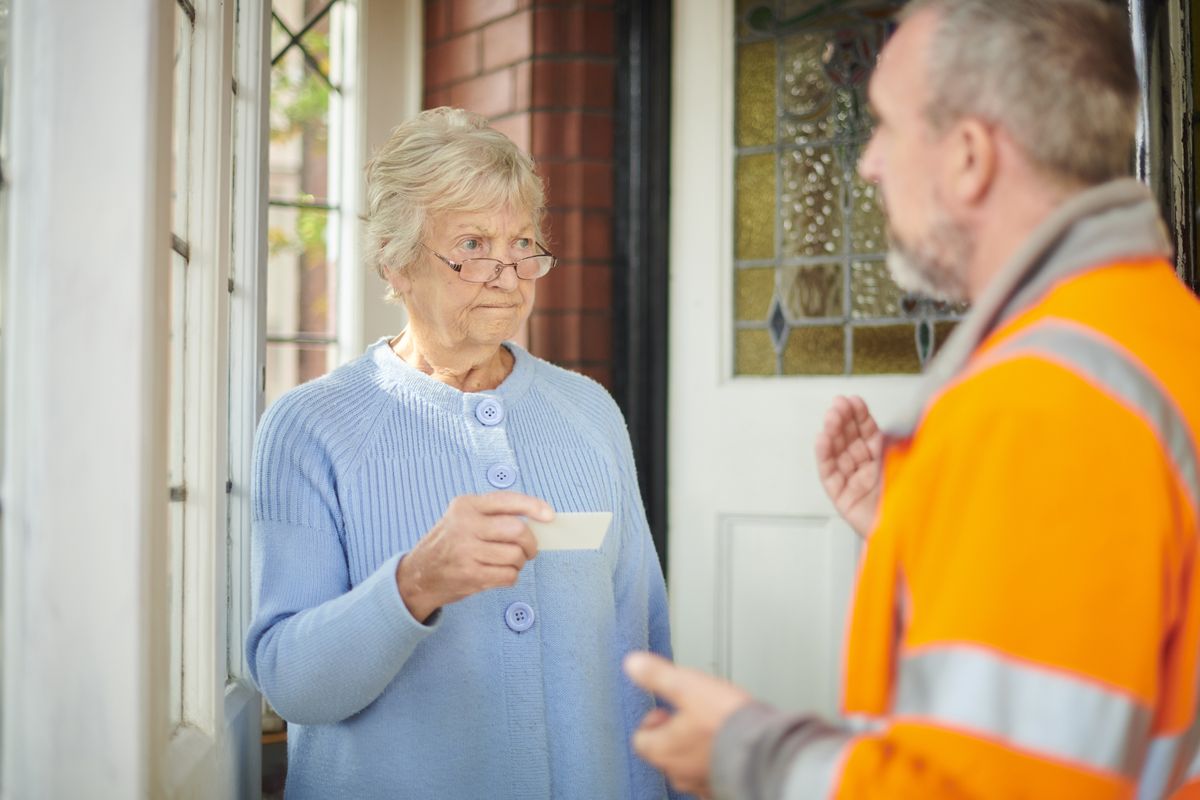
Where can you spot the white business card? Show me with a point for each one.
(581, 530)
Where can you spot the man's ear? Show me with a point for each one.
(971, 160)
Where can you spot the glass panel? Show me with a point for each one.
(756, 207)
(299, 131)
(815, 351)
(755, 354)
(810, 203)
(302, 280)
(873, 292)
(829, 220)
(807, 100)
(885, 349)
(291, 364)
(812, 291)
(756, 94)
(868, 226)
(755, 288)
(292, 14)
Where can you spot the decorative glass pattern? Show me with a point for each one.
(803, 215)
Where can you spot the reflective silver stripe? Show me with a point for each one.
(1106, 364)
(1032, 708)
(1193, 770)
(814, 772)
(1160, 764)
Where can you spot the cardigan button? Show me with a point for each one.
(501, 476)
(489, 412)
(519, 617)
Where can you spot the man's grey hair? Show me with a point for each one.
(1057, 75)
(443, 159)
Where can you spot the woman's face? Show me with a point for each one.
(452, 311)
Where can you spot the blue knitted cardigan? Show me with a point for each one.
(350, 471)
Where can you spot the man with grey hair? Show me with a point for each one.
(1027, 616)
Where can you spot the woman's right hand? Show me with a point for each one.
(480, 543)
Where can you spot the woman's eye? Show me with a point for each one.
(470, 244)
(524, 244)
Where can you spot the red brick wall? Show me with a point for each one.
(545, 73)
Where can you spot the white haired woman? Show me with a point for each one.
(405, 624)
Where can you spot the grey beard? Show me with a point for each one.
(935, 267)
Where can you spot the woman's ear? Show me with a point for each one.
(398, 278)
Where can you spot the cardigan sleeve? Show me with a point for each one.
(319, 649)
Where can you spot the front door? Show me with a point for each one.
(779, 300)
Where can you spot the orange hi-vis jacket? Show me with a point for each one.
(1027, 616)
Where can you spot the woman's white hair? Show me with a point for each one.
(444, 159)
(1058, 75)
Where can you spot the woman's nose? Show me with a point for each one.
(506, 278)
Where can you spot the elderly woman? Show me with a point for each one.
(406, 625)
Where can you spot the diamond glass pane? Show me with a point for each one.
(755, 288)
(756, 94)
(756, 207)
(812, 291)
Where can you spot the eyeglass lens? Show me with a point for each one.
(481, 270)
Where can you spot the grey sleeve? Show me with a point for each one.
(765, 754)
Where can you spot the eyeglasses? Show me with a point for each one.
(486, 270)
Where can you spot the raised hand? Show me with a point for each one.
(480, 543)
(849, 450)
(680, 743)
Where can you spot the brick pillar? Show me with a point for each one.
(545, 73)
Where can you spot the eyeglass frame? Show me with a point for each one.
(501, 265)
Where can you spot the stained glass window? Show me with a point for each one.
(812, 293)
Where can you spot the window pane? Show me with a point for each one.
(290, 365)
(301, 279)
(299, 131)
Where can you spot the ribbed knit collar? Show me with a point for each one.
(1115, 221)
(395, 372)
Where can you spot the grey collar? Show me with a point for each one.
(1114, 221)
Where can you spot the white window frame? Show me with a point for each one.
(222, 357)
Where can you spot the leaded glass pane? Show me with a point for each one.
(802, 211)
(756, 94)
(756, 207)
(873, 293)
(868, 226)
(815, 350)
(812, 290)
(755, 288)
(755, 353)
(810, 203)
(883, 349)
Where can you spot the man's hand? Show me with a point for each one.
(849, 450)
(681, 744)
